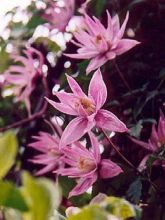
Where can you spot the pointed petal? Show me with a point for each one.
(96, 62)
(95, 147)
(142, 144)
(122, 29)
(107, 120)
(76, 89)
(97, 89)
(124, 45)
(74, 131)
(62, 107)
(142, 164)
(109, 169)
(83, 185)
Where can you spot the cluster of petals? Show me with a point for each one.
(101, 44)
(87, 109)
(155, 142)
(22, 76)
(50, 154)
(59, 13)
(86, 165)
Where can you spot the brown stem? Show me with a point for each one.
(26, 120)
(33, 116)
(122, 77)
(154, 186)
(116, 149)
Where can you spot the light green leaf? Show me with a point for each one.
(11, 197)
(120, 208)
(8, 152)
(42, 197)
(91, 212)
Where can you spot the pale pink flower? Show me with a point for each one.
(22, 77)
(59, 15)
(86, 165)
(50, 154)
(155, 142)
(88, 109)
(101, 44)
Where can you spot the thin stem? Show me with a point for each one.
(160, 84)
(33, 116)
(122, 77)
(116, 149)
(128, 162)
(26, 120)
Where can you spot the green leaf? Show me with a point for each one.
(11, 197)
(91, 212)
(51, 45)
(8, 152)
(35, 20)
(135, 190)
(120, 208)
(42, 197)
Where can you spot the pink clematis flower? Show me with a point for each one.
(50, 155)
(86, 165)
(88, 109)
(155, 142)
(59, 13)
(101, 44)
(22, 77)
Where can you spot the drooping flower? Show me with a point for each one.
(86, 165)
(88, 109)
(155, 142)
(101, 44)
(59, 13)
(50, 154)
(22, 77)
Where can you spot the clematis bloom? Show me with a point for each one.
(101, 44)
(50, 154)
(86, 165)
(155, 142)
(22, 77)
(88, 109)
(59, 13)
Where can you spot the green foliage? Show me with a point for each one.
(42, 197)
(8, 152)
(135, 190)
(120, 208)
(51, 45)
(10, 196)
(91, 212)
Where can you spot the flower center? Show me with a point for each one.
(98, 38)
(86, 164)
(87, 105)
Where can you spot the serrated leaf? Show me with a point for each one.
(135, 190)
(42, 196)
(8, 152)
(11, 197)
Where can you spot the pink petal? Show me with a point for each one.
(83, 185)
(107, 120)
(142, 144)
(124, 45)
(87, 55)
(109, 169)
(74, 131)
(96, 62)
(62, 107)
(122, 29)
(97, 89)
(142, 164)
(76, 89)
(95, 147)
